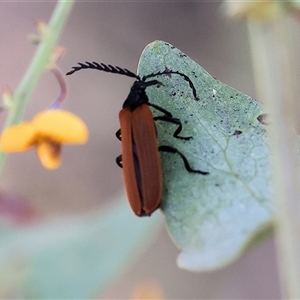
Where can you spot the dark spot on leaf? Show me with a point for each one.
(237, 132)
(194, 74)
(263, 119)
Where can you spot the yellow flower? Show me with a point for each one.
(47, 132)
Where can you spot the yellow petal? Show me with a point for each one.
(60, 126)
(147, 290)
(18, 138)
(49, 154)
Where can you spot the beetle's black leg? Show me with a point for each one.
(119, 161)
(164, 111)
(173, 121)
(185, 77)
(186, 163)
(167, 117)
(118, 134)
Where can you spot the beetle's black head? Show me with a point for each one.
(137, 94)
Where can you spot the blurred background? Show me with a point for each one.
(116, 33)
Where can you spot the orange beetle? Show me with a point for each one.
(140, 157)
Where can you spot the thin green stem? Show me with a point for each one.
(23, 93)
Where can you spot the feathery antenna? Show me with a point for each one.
(123, 71)
(102, 67)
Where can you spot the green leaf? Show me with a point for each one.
(73, 257)
(211, 218)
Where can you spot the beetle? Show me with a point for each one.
(140, 157)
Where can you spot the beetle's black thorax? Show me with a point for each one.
(137, 95)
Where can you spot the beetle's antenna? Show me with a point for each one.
(168, 72)
(102, 67)
(122, 71)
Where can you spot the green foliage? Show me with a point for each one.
(210, 218)
(75, 257)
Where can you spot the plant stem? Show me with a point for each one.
(274, 77)
(38, 65)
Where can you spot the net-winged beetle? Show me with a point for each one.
(140, 157)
